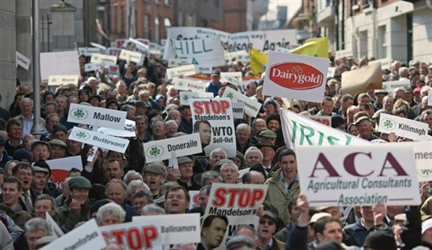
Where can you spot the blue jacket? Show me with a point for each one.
(211, 87)
(130, 212)
(359, 233)
(5, 159)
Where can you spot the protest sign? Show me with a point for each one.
(240, 56)
(99, 140)
(237, 204)
(103, 49)
(60, 168)
(96, 116)
(130, 56)
(302, 131)
(423, 157)
(22, 60)
(194, 199)
(392, 85)
(135, 46)
(403, 127)
(176, 228)
(103, 59)
(295, 76)
(86, 236)
(88, 51)
(54, 228)
(251, 107)
(142, 234)
(359, 80)
(206, 70)
(189, 85)
(113, 70)
(230, 79)
(331, 72)
(213, 120)
(56, 80)
(237, 75)
(185, 96)
(172, 148)
(88, 67)
(59, 63)
(127, 132)
(177, 62)
(326, 120)
(186, 70)
(114, 52)
(359, 175)
(146, 42)
(238, 110)
(241, 173)
(119, 42)
(430, 98)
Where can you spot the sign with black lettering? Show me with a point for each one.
(95, 116)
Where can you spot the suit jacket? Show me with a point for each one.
(20, 118)
(33, 195)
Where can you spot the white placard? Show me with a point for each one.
(114, 52)
(135, 45)
(403, 127)
(240, 56)
(96, 116)
(130, 56)
(430, 98)
(187, 70)
(99, 140)
(237, 75)
(194, 199)
(88, 51)
(326, 120)
(60, 168)
(358, 175)
(189, 85)
(22, 60)
(185, 96)
(203, 70)
(57, 80)
(88, 67)
(59, 63)
(165, 149)
(55, 229)
(103, 49)
(238, 110)
(103, 59)
(251, 107)
(392, 85)
(295, 76)
(423, 158)
(331, 71)
(177, 62)
(86, 236)
(116, 132)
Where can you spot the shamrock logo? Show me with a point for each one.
(54, 80)
(172, 74)
(180, 84)
(154, 151)
(186, 98)
(96, 57)
(79, 113)
(81, 135)
(230, 96)
(388, 124)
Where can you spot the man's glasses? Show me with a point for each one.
(269, 222)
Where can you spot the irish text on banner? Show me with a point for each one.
(174, 147)
(251, 106)
(99, 140)
(301, 131)
(189, 85)
(60, 168)
(95, 116)
(185, 96)
(232, 206)
(213, 120)
(86, 236)
(295, 76)
(358, 175)
(186, 70)
(415, 130)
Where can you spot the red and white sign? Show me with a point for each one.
(326, 120)
(60, 168)
(114, 51)
(119, 42)
(194, 200)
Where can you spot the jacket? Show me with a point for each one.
(283, 234)
(68, 219)
(5, 159)
(14, 230)
(33, 195)
(20, 217)
(276, 195)
(20, 119)
(6, 243)
(359, 233)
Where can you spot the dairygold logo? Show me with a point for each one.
(296, 76)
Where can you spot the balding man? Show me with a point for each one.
(27, 118)
(229, 173)
(253, 177)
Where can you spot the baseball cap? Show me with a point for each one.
(216, 73)
(318, 216)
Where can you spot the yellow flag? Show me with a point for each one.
(317, 47)
(258, 60)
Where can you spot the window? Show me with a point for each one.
(382, 46)
(167, 24)
(146, 27)
(167, 2)
(156, 29)
(122, 19)
(363, 43)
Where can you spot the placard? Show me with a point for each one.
(88, 67)
(99, 140)
(238, 110)
(189, 85)
(135, 46)
(114, 52)
(251, 107)
(127, 132)
(56, 80)
(194, 199)
(103, 59)
(59, 63)
(295, 76)
(88, 51)
(54, 228)
(101, 117)
(358, 175)
(221, 132)
(60, 168)
(103, 49)
(423, 158)
(172, 148)
(22, 60)
(180, 71)
(392, 85)
(177, 62)
(237, 75)
(185, 96)
(203, 70)
(130, 56)
(240, 56)
(403, 127)
(331, 72)
(326, 120)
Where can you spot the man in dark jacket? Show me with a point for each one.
(4, 156)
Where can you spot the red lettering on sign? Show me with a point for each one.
(134, 239)
(246, 197)
(150, 234)
(215, 107)
(118, 235)
(298, 76)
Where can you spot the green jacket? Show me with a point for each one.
(276, 195)
(68, 219)
(283, 234)
(20, 217)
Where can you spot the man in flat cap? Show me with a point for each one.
(58, 149)
(364, 125)
(186, 179)
(153, 177)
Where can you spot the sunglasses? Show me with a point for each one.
(269, 222)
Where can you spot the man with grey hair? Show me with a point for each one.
(116, 191)
(134, 186)
(172, 128)
(152, 209)
(229, 173)
(419, 108)
(8, 168)
(209, 177)
(131, 175)
(240, 243)
(243, 133)
(216, 155)
(253, 156)
(110, 214)
(26, 118)
(35, 229)
(141, 198)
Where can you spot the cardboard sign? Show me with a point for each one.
(326, 120)
(86, 236)
(176, 228)
(88, 67)
(130, 56)
(172, 148)
(60, 168)
(359, 80)
(295, 76)
(99, 140)
(142, 234)
(194, 199)
(251, 107)
(238, 203)
(358, 175)
(423, 157)
(54, 228)
(181, 71)
(114, 52)
(185, 96)
(188, 85)
(103, 59)
(238, 110)
(88, 51)
(392, 85)
(302, 131)
(22, 60)
(96, 116)
(403, 127)
(59, 63)
(57, 80)
(221, 132)
(203, 70)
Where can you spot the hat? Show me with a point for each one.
(267, 133)
(380, 91)
(402, 217)
(183, 160)
(270, 215)
(46, 137)
(361, 119)
(79, 182)
(337, 121)
(153, 168)
(35, 143)
(318, 216)
(22, 155)
(59, 127)
(417, 90)
(332, 82)
(142, 71)
(426, 225)
(2, 141)
(216, 73)
(266, 143)
(270, 101)
(273, 117)
(382, 240)
(57, 142)
(95, 96)
(37, 169)
(408, 89)
(141, 104)
(97, 204)
(259, 168)
(42, 164)
(45, 240)
(377, 114)
(91, 79)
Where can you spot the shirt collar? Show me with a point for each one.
(283, 179)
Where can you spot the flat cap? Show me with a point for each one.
(79, 182)
(270, 215)
(318, 216)
(57, 142)
(38, 169)
(380, 91)
(363, 118)
(266, 133)
(183, 160)
(153, 168)
(266, 143)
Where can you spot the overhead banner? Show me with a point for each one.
(326, 120)
(57, 80)
(185, 96)
(181, 71)
(251, 107)
(99, 140)
(302, 131)
(295, 76)
(189, 85)
(237, 204)
(404, 127)
(103, 59)
(358, 175)
(130, 56)
(60, 168)
(392, 85)
(59, 63)
(213, 120)
(172, 148)
(22, 60)
(96, 116)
